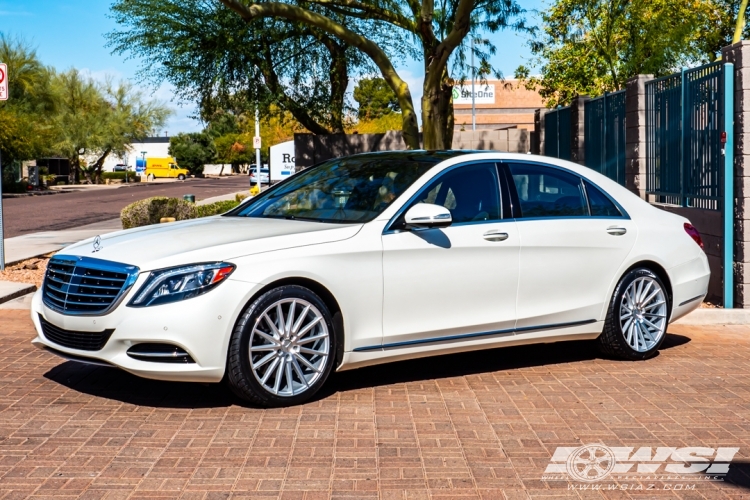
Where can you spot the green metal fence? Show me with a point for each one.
(604, 135)
(557, 133)
(684, 164)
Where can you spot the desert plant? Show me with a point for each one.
(151, 210)
(217, 208)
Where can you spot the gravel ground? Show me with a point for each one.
(28, 271)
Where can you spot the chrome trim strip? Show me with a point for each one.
(692, 300)
(467, 336)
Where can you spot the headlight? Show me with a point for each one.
(180, 283)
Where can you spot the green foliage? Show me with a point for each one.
(375, 99)
(120, 176)
(214, 58)
(152, 210)
(193, 150)
(24, 129)
(588, 47)
(216, 208)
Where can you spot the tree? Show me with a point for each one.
(24, 129)
(588, 47)
(193, 150)
(439, 31)
(375, 99)
(79, 118)
(99, 120)
(214, 58)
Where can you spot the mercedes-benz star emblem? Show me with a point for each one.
(97, 244)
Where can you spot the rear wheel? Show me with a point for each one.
(150, 177)
(637, 317)
(281, 351)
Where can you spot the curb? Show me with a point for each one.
(18, 293)
(705, 317)
(37, 193)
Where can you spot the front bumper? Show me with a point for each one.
(201, 326)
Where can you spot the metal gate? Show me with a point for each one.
(557, 133)
(604, 135)
(684, 164)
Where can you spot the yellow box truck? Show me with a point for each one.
(164, 167)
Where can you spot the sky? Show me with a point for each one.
(70, 33)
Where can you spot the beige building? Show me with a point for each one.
(499, 105)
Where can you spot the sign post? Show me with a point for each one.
(3, 97)
(256, 145)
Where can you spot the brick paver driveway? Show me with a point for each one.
(480, 425)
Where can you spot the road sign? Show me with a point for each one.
(3, 82)
(256, 142)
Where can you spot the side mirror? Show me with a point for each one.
(427, 215)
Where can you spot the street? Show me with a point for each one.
(34, 214)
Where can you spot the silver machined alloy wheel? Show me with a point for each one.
(289, 347)
(643, 313)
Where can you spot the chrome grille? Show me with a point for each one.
(85, 286)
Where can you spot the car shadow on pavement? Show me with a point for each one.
(115, 384)
(471, 363)
(118, 385)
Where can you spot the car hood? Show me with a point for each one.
(208, 239)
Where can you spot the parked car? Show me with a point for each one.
(120, 168)
(376, 258)
(264, 175)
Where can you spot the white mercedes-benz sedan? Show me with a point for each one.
(374, 258)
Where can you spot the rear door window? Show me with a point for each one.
(548, 192)
(599, 203)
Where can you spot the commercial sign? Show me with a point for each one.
(282, 161)
(483, 94)
(3, 82)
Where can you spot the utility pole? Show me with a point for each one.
(473, 95)
(256, 143)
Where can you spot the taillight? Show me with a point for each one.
(693, 233)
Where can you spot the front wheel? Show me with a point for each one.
(281, 350)
(637, 317)
(181, 177)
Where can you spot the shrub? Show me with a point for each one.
(120, 176)
(217, 208)
(151, 210)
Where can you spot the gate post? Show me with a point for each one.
(577, 129)
(635, 134)
(739, 55)
(727, 204)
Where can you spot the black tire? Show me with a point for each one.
(181, 177)
(241, 377)
(151, 177)
(612, 342)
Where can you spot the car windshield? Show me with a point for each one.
(344, 190)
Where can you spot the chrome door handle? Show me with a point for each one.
(495, 236)
(616, 230)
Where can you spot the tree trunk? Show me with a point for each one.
(437, 114)
(74, 166)
(97, 168)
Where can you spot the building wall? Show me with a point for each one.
(514, 106)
